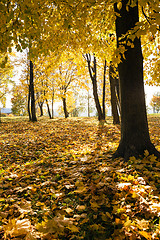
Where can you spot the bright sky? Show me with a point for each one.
(150, 90)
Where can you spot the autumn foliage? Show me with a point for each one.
(58, 181)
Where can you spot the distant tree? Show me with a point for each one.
(155, 103)
(93, 75)
(68, 75)
(18, 101)
(6, 69)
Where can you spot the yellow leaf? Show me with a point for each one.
(80, 207)
(81, 190)
(94, 204)
(38, 204)
(17, 227)
(69, 210)
(134, 195)
(108, 215)
(127, 223)
(146, 153)
(130, 178)
(142, 224)
(119, 5)
(2, 199)
(73, 228)
(145, 234)
(117, 221)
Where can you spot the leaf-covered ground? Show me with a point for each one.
(58, 181)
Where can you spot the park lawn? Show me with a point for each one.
(58, 181)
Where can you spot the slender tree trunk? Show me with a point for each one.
(33, 108)
(28, 106)
(118, 95)
(29, 90)
(114, 101)
(104, 91)
(94, 83)
(134, 126)
(49, 112)
(66, 114)
(52, 106)
(40, 104)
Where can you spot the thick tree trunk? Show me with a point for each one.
(114, 101)
(33, 109)
(134, 126)
(66, 114)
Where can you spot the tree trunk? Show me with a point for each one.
(28, 106)
(93, 77)
(33, 108)
(52, 106)
(66, 114)
(134, 126)
(118, 95)
(114, 100)
(49, 112)
(40, 104)
(104, 90)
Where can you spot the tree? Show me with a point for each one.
(6, 73)
(114, 89)
(78, 25)
(155, 102)
(135, 137)
(68, 74)
(18, 101)
(31, 98)
(93, 75)
(45, 83)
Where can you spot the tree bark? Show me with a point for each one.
(66, 114)
(104, 90)
(28, 106)
(49, 112)
(114, 101)
(33, 109)
(93, 77)
(118, 95)
(40, 104)
(134, 126)
(52, 106)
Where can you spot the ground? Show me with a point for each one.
(58, 181)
